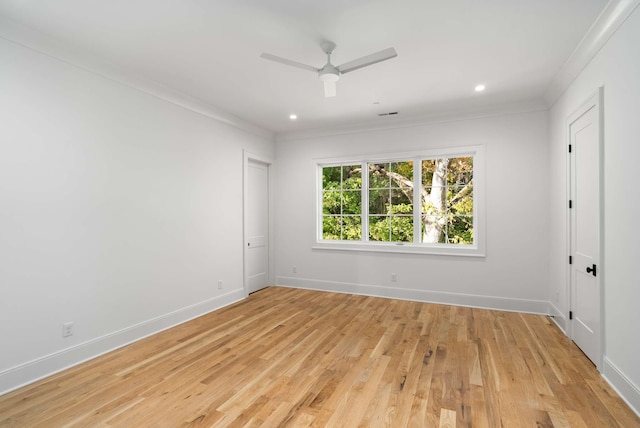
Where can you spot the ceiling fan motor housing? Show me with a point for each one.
(329, 73)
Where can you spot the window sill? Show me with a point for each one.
(401, 248)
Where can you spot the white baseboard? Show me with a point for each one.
(47, 365)
(559, 318)
(629, 392)
(457, 299)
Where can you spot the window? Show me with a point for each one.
(426, 202)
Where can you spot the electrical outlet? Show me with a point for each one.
(394, 277)
(219, 284)
(295, 269)
(67, 329)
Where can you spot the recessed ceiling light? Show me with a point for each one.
(293, 116)
(480, 88)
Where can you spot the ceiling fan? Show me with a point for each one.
(329, 74)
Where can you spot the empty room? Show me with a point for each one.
(349, 213)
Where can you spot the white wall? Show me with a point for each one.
(514, 273)
(617, 68)
(119, 212)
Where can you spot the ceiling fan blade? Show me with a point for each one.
(329, 89)
(289, 62)
(367, 60)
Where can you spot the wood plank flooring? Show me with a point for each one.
(297, 358)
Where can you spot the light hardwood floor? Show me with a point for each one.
(287, 357)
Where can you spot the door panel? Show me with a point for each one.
(584, 132)
(257, 255)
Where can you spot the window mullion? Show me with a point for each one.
(365, 202)
(446, 203)
(320, 200)
(341, 193)
(417, 201)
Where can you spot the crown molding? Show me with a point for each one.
(610, 19)
(39, 42)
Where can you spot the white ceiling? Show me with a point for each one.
(209, 50)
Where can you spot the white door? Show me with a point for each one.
(584, 135)
(257, 224)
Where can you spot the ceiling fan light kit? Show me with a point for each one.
(330, 74)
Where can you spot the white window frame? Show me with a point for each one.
(477, 249)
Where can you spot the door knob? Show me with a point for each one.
(592, 270)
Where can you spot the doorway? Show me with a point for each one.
(585, 227)
(257, 223)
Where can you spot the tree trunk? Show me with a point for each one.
(433, 204)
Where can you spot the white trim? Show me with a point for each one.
(626, 389)
(440, 297)
(478, 249)
(32, 371)
(36, 41)
(605, 26)
(269, 162)
(401, 248)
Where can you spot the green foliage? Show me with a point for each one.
(387, 228)
(342, 202)
(460, 230)
(331, 177)
(331, 228)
